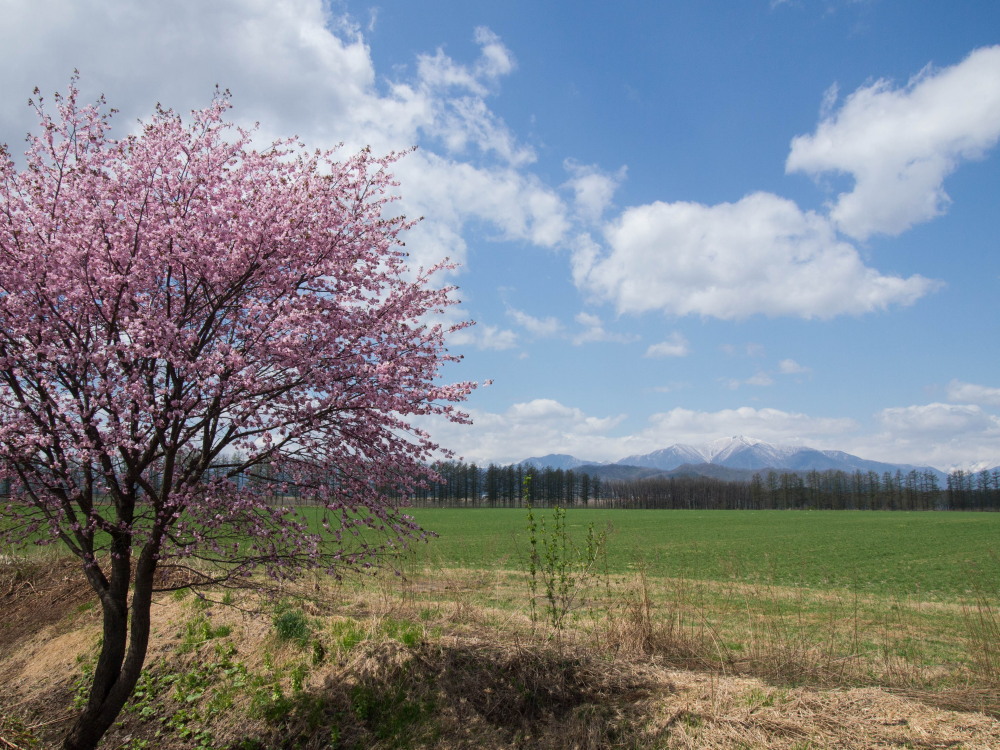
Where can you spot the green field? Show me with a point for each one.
(924, 556)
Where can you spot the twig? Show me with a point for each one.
(69, 715)
(8, 744)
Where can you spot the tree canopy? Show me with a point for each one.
(191, 331)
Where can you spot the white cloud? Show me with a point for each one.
(542, 426)
(771, 425)
(759, 379)
(936, 419)
(945, 436)
(675, 346)
(899, 144)
(277, 57)
(791, 367)
(530, 428)
(542, 327)
(496, 59)
(452, 194)
(761, 254)
(593, 189)
(594, 332)
(485, 337)
(973, 394)
(749, 349)
(298, 68)
(940, 435)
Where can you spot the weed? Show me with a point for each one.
(982, 634)
(407, 633)
(387, 711)
(292, 625)
(199, 630)
(270, 704)
(762, 698)
(84, 679)
(561, 566)
(298, 676)
(347, 634)
(318, 652)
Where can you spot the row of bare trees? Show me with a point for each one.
(469, 485)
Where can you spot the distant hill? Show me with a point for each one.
(554, 461)
(742, 456)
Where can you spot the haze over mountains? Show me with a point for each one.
(739, 454)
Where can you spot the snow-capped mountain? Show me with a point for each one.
(739, 452)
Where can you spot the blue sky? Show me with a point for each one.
(676, 221)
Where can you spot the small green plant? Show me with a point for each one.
(557, 562)
(83, 681)
(270, 704)
(407, 633)
(199, 630)
(292, 625)
(387, 711)
(347, 634)
(298, 676)
(763, 698)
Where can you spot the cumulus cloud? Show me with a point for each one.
(541, 327)
(452, 194)
(592, 188)
(938, 419)
(771, 425)
(899, 144)
(791, 367)
(594, 331)
(762, 254)
(278, 58)
(297, 67)
(973, 394)
(544, 426)
(759, 379)
(942, 435)
(675, 346)
(485, 337)
(529, 428)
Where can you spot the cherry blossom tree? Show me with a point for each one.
(192, 332)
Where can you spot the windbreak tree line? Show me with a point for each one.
(494, 486)
(180, 311)
(468, 485)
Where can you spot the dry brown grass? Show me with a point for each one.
(656, 665)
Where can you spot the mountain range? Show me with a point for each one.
(740, 455)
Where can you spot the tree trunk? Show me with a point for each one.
(118, 669)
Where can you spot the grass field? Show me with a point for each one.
(905, 599)
(925, 556)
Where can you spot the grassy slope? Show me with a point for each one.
(387, 664)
